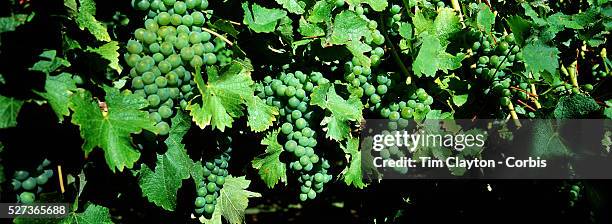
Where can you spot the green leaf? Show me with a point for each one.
(9, 109)
(85, 18)
(271, 169)
(310, 30)
(321, 12)
(226, 26)
(520, 28)
(446, 24)
(485, 18)
(223, 96)
(58, 90)
(352, 173)
(377, 5)
(50, 62)
(232, 201)
(421, 24)
(109, 51)
(285, 29)
(342, 111)
(405, 30)
(293, 6)
(161, 186)
(111, 130)
(348, 26)
(533, 14)
(540, 57)
(261, 116)
(262, 20)
(92, 214)
(433, 57)
(608, 110)
(459, 100)
(575, 106)
(546, 140)
(8, 24)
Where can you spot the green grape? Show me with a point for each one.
(187, 53)
(42, 179)
(27, 197)
(209, 208)
(163, 128)
(134, 47)
(300, 123)
(29, 184)
(21, 175)
(180, 7)
(200, 202)
(155, 116)
(163, 18)
(395, 9)
(153, 100)
(161, 82)
(287, 128)
(165, 112)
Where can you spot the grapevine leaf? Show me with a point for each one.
(358, 49)
(85, 18)
(58, 91)
(9, 109)
(8, 24)
(546, 141)
(310, 30)
(405, 30)
(223, 96)
(533, 14)
(92, 214)
(348, 26)
(50, 62)
(111, 130)
(377, 5)
(575, 106)
(446, 24)
(539, 57)
(520, 28)
(261, 116)
(485, 18)
(262, 19)
(352, 173)
(433, 57)
(285, 29)
(443, 27)
(459, 100)
(293, 6)
(271, 169)
(321, 12)
(161, 186)
(608, 110)
(226, 26)
(232, 201)
(109, 51)
(342, 111)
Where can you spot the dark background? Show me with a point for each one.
(39, 136)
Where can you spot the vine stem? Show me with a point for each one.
(457, 7)
(394, 53)
(573, 73)
(533, 91)
(61, 178)
(526, 105)
(514, 115)
(218, 35)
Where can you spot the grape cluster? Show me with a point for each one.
(28, 185)
(290, 93)
(496, 64)
(598, 72)
(167, 51)
(393, 152)
(215, 172)
(373, 86)
(418, 105)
